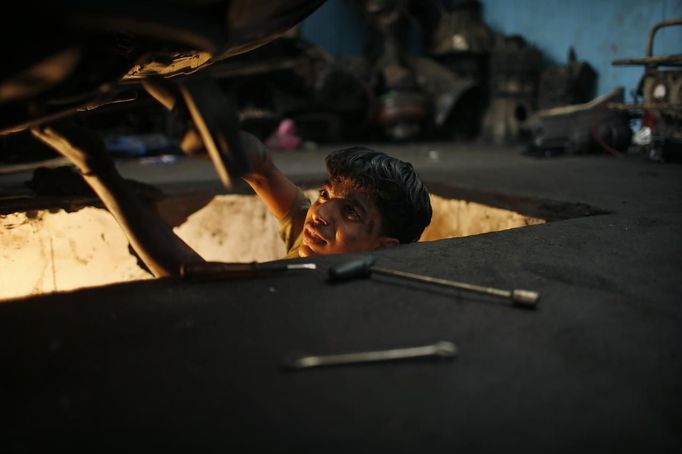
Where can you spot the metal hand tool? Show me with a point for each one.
(227, 271)
(365, 267)
(439, 350)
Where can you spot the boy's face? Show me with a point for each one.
(342, 219)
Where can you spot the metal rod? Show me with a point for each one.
(527, 298)
(652, 33)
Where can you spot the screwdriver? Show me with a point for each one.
(227, 271)
(363, 268)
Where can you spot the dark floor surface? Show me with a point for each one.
(172, 366)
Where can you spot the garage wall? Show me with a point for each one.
(338, 27)
(599, 30)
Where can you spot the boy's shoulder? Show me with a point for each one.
(291, 225)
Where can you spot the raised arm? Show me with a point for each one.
(272, 186)
(154, 241)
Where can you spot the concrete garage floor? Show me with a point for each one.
(177, 366)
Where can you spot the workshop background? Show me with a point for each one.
(438, 70)
(549, 178)
(494, 71)
(600, 31)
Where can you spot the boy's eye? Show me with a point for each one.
(351, 213)
(324, 194)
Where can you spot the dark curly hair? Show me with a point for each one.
(400, 196)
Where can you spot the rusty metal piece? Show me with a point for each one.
(652, 60)
(656, 60)
(652, 33)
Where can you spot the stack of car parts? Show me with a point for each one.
(461, 42)
(402, 106)
(514, 73)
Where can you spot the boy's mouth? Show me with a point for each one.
(312, 237)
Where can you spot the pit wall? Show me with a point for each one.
(46, 251)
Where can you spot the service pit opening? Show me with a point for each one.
(45, 251)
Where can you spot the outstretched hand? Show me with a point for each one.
(255, 152)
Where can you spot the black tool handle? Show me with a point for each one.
(354, 269)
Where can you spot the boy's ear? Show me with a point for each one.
(387, 241)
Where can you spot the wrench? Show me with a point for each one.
(365, 267)
(442, 349)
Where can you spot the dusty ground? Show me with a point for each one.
(167, 365)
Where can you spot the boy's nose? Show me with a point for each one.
(319, 217)
(325, 214)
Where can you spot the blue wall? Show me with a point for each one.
(338, 26)
(599, 30)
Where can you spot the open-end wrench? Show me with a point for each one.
(439, 350)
